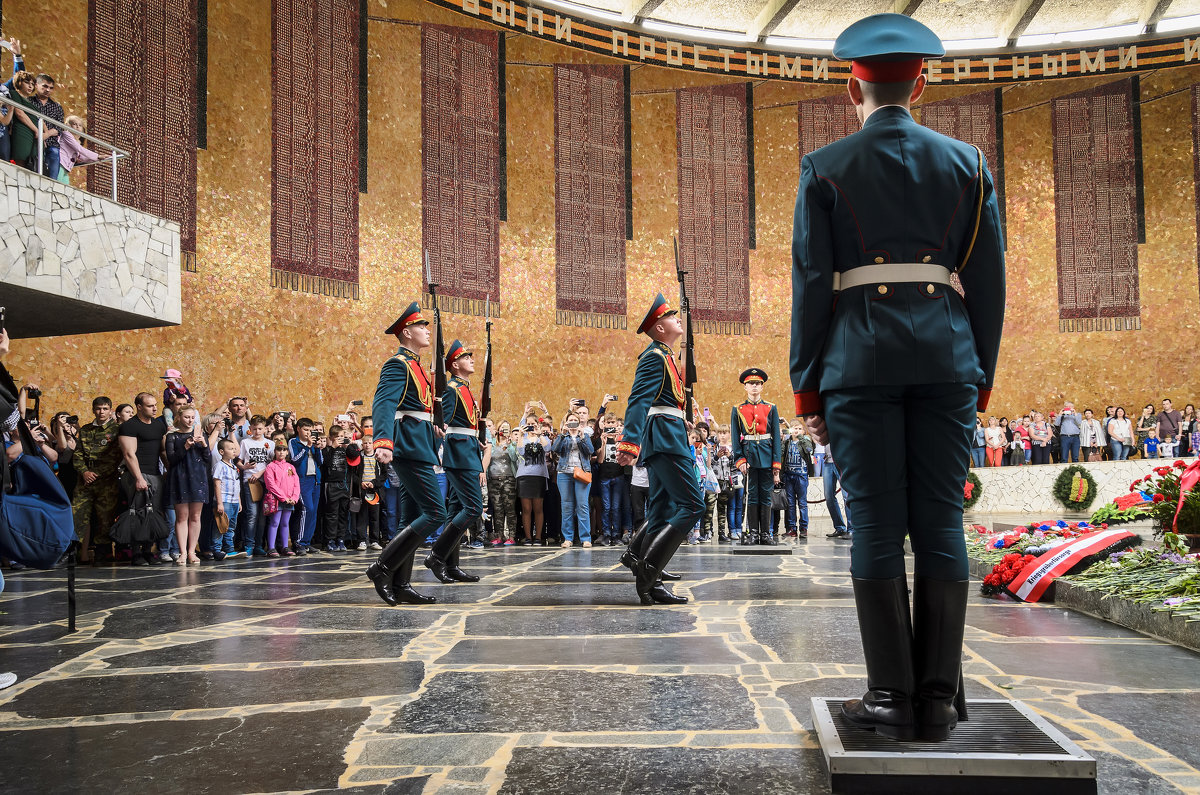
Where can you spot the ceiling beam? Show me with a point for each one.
(907, 7)
(769, 18)
(1022, 13)
(1153, 11)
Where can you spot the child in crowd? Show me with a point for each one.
(227, 497)
(337, 474)
(722, 463)
(1150, 445)
(737, 493)
(256, 452)
(283, 492)
(368, 486)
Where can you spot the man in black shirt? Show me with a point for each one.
(141, 438)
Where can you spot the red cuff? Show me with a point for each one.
(984, 396)
(382, 443)
(775, 465)
(628, 447)
(808, 403)
(739, 462)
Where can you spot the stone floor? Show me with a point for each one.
(290, 675)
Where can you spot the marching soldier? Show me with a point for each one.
(406, 438)
(463, 465)
(656, 437)
(880, 339)
(754, 428)
(95, 460)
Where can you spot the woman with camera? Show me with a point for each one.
(574, 450)
(532, 447)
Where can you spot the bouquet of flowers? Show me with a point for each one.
(1005, 572)
(1172, 503)
(1013, 551)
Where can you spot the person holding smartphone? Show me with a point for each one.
(574, 476)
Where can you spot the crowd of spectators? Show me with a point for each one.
(61, 150)
(1066, 436)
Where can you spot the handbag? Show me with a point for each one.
(256, 490)
(36, 524)
(778, 499)
(581, 475)
(355, 504)
(141, 523)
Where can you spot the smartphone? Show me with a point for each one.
(344, 418)
(356, 402)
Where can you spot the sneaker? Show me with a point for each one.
(600, 541)
(508, 542)
(331, 547)
(362, 546)
(476, 544)
(204, 555)
(241, 553)
(496, 542)
(218, 555)
(287, 553)
(375, 545)
(273, 554)
(168, 557)
(342, 547)
(259, 552)
(566, 545)
(153, 559)
(587, 544)
(140, 560)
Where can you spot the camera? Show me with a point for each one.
(34, 394)
(316, 434)
(285, 415)
(73, 419)
(611, 398)
(356, 402)
(530, 428)
(228, 423)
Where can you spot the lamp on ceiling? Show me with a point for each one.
(1074, 36)
(585, 10)
(1177, 23)
(734, 36)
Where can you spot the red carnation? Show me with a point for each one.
(1029, 559)
(1180, 465)
(1104, 525)
(1008, 577)
(1159, 497)
(968, 487)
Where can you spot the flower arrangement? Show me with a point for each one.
(1148, 575)
(1174, 518)
(972, 491)
(1005, 572)
(1013, 551)
(1075, 488)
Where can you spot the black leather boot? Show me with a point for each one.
(885, 624)
(631, 558)
(659, 550)
(766, 521)
(391, 560)
(750, 533)
(402, 585)
(939, 612)
(454, 572)
(438, 559)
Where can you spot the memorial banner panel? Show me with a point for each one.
(825, 120)
(315, 145)
(978, 120)
(712, 133)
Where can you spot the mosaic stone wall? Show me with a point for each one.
(315, 353)
(65, 242)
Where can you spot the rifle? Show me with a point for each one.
(485, 400)
(439, 350)
(689, 347)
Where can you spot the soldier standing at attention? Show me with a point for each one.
(656, 437)
(463, 464)
(881, 339)
(754, 427)
(95, 461)
(406, 438)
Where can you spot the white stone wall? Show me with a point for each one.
(67, 242)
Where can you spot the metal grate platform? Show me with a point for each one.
(1005, 747)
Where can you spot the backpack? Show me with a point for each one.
(36, 524)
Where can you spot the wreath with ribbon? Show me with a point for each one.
(1075, 488)
(972, 491)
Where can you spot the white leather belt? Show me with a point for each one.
(668, 410)
(462, 431)
(423, 416)
(756, 437)
(891, 272)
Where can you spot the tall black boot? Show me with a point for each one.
(402, 585)
(392, 560)
(766, 521)
(659, 550)
(939, 612)
(443, 546)
(454, 572)
(632, 556)
(750, 533)
(885, 623)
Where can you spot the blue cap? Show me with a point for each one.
(887, 38)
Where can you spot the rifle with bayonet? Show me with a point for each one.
(439, 350)
(689, 349)
(485, 399)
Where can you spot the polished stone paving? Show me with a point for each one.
(291, 675)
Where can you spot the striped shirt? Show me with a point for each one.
(228, 482)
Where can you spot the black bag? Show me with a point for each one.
(778, 499)
(141, 524)
(36, 524)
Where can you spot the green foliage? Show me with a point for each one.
(1064, 485)
(976, 490)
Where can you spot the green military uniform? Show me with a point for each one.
(96, 451)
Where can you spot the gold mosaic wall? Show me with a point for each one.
(314, 354)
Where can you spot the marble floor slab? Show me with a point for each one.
(546, 677)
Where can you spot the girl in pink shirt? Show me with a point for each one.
(283, 491)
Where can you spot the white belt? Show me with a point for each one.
(423, 416)
(891, 272)
(756, 437)
(462, 431)
(668, 410)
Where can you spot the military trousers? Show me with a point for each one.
(421, 502)
(464, 497)
(760, 483)
(96, 500)
(502, 494)
(907, 481)
(675, 496)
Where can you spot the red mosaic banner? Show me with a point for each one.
(712, 135)
(315, 146)
(824, 120)
(461, 164)
(142, 97)
(1196, 166)
(1096, 208)
(590, 176)
(978, 120)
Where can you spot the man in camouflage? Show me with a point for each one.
(96, 459)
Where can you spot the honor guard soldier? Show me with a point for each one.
(880, 339)
(656, 437)
(463, 464)
(406, 438)
(754, 431)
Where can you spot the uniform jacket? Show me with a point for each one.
(97, 451)
(655, 383)
(755, 418)
(404, 385)
(894, 192)
(461, 411)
